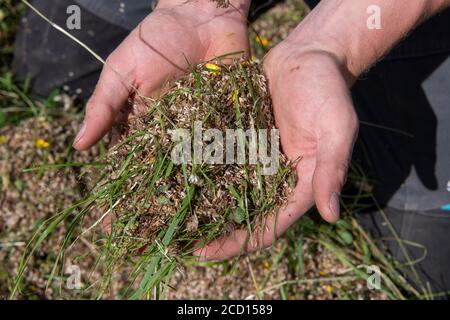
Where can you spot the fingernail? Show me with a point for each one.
(80, 134)
(334, 204)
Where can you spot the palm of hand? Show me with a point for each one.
(318, 126)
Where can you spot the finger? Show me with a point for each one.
(110, 95)
(334, 151)
(241, 242)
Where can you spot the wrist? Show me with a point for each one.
(341, 28)
(290, 55)
(350, 53)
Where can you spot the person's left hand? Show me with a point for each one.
(177, 34)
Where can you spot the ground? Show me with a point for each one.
(40, 175)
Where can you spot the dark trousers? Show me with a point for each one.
(404, 144)
(52, 60)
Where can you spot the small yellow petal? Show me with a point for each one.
(266, 264)
(213, 67)
(323, 273)
(263, 41)
(329, 288)
(41, 144)
(2, 140)
(235, 96)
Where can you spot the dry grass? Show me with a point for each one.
(158, 208)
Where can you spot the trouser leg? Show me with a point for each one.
(424, 236)
(52, 60)
(404, 142)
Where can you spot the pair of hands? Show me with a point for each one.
(309, 88)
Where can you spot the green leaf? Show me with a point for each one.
(162, 200)
(343, 224)
(345, 237)
(19, 185)
(239, 216)
(2, 119)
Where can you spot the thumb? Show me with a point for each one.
(110, 95)
(333, 158)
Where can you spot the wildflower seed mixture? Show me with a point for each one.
(203, 200)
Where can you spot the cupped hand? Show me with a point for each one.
(160, 49)
(318, 125)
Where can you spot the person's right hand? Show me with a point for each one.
(177, 34)
(318, 125)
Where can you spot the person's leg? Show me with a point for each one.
(52, 60)
(424, 236)
(404, 106)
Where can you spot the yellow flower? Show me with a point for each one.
(329, 288)
(2, 140)
(235, 96)
(266, 264)
(41, 144)
(323, 273)
(263, 41)
(214, 68)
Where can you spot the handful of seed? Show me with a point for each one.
(203, 160)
